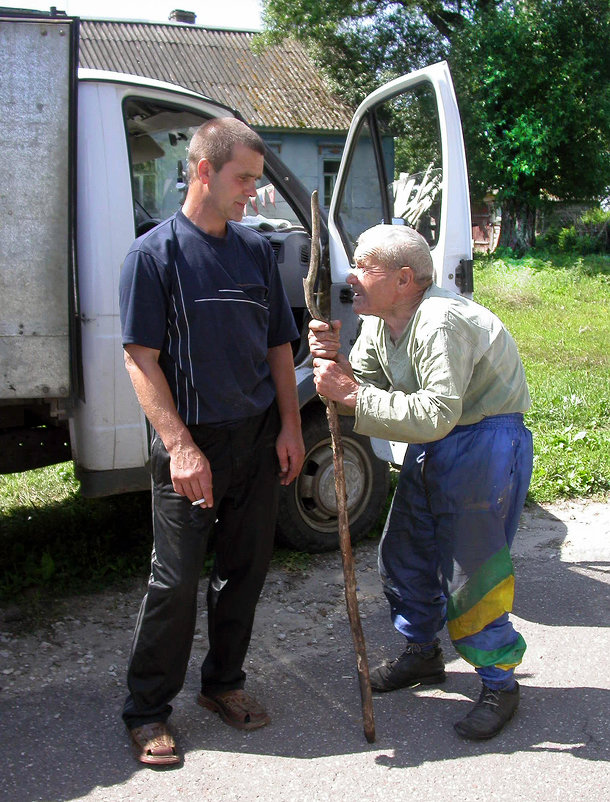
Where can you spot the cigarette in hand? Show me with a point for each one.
(199, 501)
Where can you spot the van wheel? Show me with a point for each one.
(307, 519)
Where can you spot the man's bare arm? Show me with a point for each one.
(189, 469)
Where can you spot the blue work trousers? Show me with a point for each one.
(445, 553)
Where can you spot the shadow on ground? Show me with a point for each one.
(60, 742)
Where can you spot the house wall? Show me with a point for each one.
(315, 159)
(307, 155)
(486, 220)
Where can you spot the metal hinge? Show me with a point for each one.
(464, 276)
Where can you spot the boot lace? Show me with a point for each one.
(490, 697)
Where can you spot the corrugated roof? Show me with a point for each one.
(278, 88)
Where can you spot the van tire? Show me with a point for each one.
(307, 519)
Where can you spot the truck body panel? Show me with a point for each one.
(34, 208)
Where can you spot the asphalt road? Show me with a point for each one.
(61, 738)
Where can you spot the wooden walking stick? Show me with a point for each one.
(345, 542)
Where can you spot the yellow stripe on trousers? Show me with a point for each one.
(498, 601)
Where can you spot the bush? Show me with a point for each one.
(596, 217)
(503, 252)
(550, 238)
(590, 234)
(566, 239)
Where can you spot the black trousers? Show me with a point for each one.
(246, 486)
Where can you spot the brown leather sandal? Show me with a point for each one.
(154, 744)
(237, 709)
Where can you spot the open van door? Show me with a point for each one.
(404, 164)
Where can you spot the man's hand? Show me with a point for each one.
(290, 450)
(324, 341)
(289, 445)
(191, 474)
(335, 380)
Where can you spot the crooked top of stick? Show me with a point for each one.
(309, 283)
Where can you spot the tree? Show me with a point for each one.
(535, 79)
(360, 42)
(532, 80)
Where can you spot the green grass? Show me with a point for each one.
(52, 537)
(54, 542)
(558, 311)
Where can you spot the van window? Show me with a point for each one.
(395, 172)
(158, 136)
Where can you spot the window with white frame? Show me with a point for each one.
(330, 158)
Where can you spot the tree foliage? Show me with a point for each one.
(535, 81)
(532, 79)
(359, 43)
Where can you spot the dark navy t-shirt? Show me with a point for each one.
(212, 306)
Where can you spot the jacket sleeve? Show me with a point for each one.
(364, 357)
(442, 363)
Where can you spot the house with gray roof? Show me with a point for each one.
(278, 91)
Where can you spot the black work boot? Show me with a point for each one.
(415, 666)
(489, 714)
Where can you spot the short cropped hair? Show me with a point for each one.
(215, 140)
(393, 247)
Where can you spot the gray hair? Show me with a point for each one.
(215, 140)
(393, 247)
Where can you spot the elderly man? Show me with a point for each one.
(207, 334)
(441, 373)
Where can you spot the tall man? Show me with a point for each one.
(206, 332)
(441, 373)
